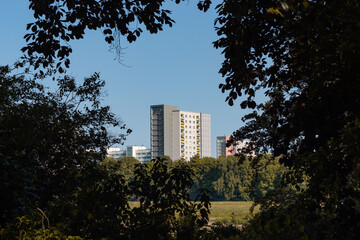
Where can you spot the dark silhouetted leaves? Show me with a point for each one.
(68, 19)
(305, 56)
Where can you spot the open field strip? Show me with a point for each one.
(224, 211)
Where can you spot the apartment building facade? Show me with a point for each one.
(236, 148)
(141, 153)
(179, 134)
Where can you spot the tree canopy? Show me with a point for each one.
(305, 55)
(48, 139)
(60, 21)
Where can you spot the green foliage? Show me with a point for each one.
(221, 231)
(165, 210)
(53, 146)
(232, 178)
(205, 174)
(282, 216)
(33, 227)
(124, 166)
(236, 178)
(234, 212)
(305, 55)
(49, 146)
(49, 141)
(99, 207)
(269, 175)
(61, 21)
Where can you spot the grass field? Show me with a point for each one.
(225, 212)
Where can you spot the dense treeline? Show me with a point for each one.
(236, 178)
(55, 183)
(231, 178)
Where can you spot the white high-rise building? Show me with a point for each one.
(179, 134)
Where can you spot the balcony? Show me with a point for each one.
(157, 128)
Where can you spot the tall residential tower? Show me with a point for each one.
(161, 130)
(179, 134)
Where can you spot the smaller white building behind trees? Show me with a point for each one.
(141, 153)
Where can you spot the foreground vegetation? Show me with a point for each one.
(227, 212)
(55, 183)
(231, 178)
(230, 212)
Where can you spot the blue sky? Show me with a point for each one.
(177, 66)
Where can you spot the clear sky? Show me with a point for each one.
(177, 66)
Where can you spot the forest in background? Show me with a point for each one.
(231, 178)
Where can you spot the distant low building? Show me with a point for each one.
(139, 152)
(221, 148)
(116, 153)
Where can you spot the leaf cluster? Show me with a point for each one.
(305, 56)
(58, 22)
(165, 210)
(50, 138)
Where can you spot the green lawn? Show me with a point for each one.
(228, 211)
(225, 211)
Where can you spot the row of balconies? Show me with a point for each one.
(157, 144)
(157, 129)
(156, 124)
(157, 133)
(157, 139)
(157, 119)
(156, 150)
